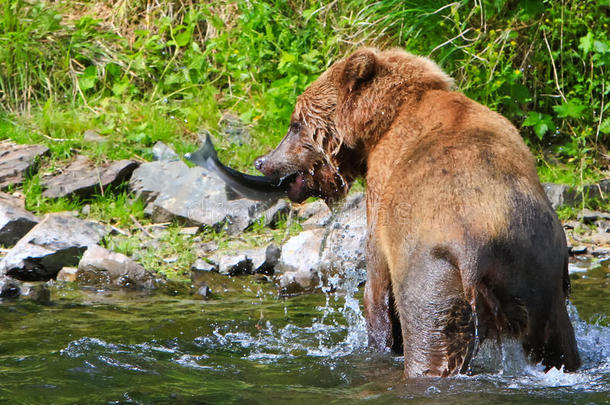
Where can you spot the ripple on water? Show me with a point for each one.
(328, 349)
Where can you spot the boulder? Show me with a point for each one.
(101, 267)
(316, 253)
(302, 252)
(263, 259)
(234, 265)
(298, 282)
(58, 240)
(9, 287)
(162, 152)
(346, 237)
(14, 222)
(194, 197)
(83, 178)
(13, 200)
(564, 194)
(18, 161)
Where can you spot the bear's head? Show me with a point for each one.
(341, 116)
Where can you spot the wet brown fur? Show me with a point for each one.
(463, 244)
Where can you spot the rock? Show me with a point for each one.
(191, 196)
(272, 214)
(37, 292)
(18, 161)
(12, 200)
(264, 259)
(311, 209)
(201, 265)
(14, 223)
(235, 265)
(578, 250)
(301, 252)
(82, 178)
(93, 137)
(9, 287)
(337, 248)
(601, 239)
(189, 230)
(85, 210)
(200, 271)
(298, 282)
(58, 240)
(162, 152)
(100, 266)
(563, 194)
(344, 243)
(588, 216)
(315, 215)
(67, 274)
(203, 292)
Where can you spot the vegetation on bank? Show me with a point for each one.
(142, 71)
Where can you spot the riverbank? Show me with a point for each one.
(183, 233)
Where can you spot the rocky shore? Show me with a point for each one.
(63, 247)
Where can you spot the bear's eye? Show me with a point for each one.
(295, 126)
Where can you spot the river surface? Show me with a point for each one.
(92, 347)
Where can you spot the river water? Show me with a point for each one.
(91, 347)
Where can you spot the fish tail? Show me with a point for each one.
(208, 150)
(202, 155)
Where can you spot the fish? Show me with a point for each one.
(258, 188)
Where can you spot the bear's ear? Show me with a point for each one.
(359, 67)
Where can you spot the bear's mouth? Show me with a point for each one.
(298, 190)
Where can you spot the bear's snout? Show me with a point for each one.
(259, 163)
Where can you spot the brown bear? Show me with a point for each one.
(462, 242)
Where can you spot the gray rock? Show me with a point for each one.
(18, 161)
(162, 152)
(561, 194)
(93, 137)
(201, 265)
(14, 223)
(12, 200)
(200, 271)
(578, 250)
(315, 215)
(235, 265)
(264, 259)
(58, 240)
(271, 215)
(100, 266)
(9, 287)
(345, 240)
(311, 209)
(337, 248)
(203, 292)
(302, 252)
(298, 282)
(588, 216)
(601, 239)
(191, 196)
(82, 178)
